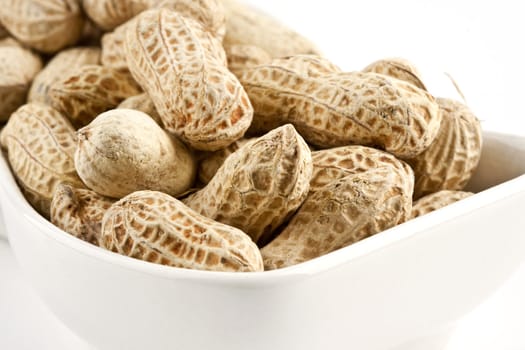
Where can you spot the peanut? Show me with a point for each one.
(109, 14)
(79, 211)
(183, 69)
(337, 109)
(89, 91)
(142, 103)
(450, 161)
(124, 150)
(398, 68)
(45, 25)
(209, 13)
(248, 26)
(260, 185)
(210, 163)
(345, 211)
(155, 227)
(436, 201)
(18, 67)
(65, 63)
(40, 143)
(336, 163)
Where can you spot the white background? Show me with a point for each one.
(479, 43)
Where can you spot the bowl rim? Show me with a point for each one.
(333, 260)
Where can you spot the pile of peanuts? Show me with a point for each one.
(204, 134)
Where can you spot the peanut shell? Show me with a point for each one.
(341, 213)
(124, 150)
(209, 13)
(398, 68)
(65, 63)
(45, 25)
(245, 56)
(338, 109)
(336, 163)
(436, 201)
(108, 14)
(183, 69)
(79, 211)
(89, 91)
(40, 144)
(260, 185)
(18, 67)
(155, 227)
(248, 26)
(3, 32)
(450, 161)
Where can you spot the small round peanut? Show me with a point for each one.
(398, 68)
(124, 150)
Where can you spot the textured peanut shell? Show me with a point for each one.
(248, 26)
(155, 227)
(436, 201)
(89, 91)
(245, 56)
(183, 69)
(341, 213)
(79, 211)
(18, 67)
(398, 68)
(209, 13)
(40, 144)
(336, 163)
(109, 14)
(450, 161)
(142, 103)
(260, 185)
(124, 150)
(45, 25)
(337, 109)
(65, 63)
(211, 162)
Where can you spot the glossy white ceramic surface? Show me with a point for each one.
(400, 289)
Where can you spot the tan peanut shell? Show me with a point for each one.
(40, 144)
(450, 161)
(336, 163)
(341, 213)
(209, 13)
(79, 211)
(89, 91)
(10, 42)
(436, 201)
(18, 67)
(245, 56)
(155, 227)
(143, 103)
(398, 68)
(183, 69)
(260, 185)
(248, 26)
(65, 63)
(211, 162)
(45, 25)
(337, 109)
(109, 14)
(124, 150)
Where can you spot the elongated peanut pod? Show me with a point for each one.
(155, 227)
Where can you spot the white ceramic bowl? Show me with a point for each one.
(401, 289)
